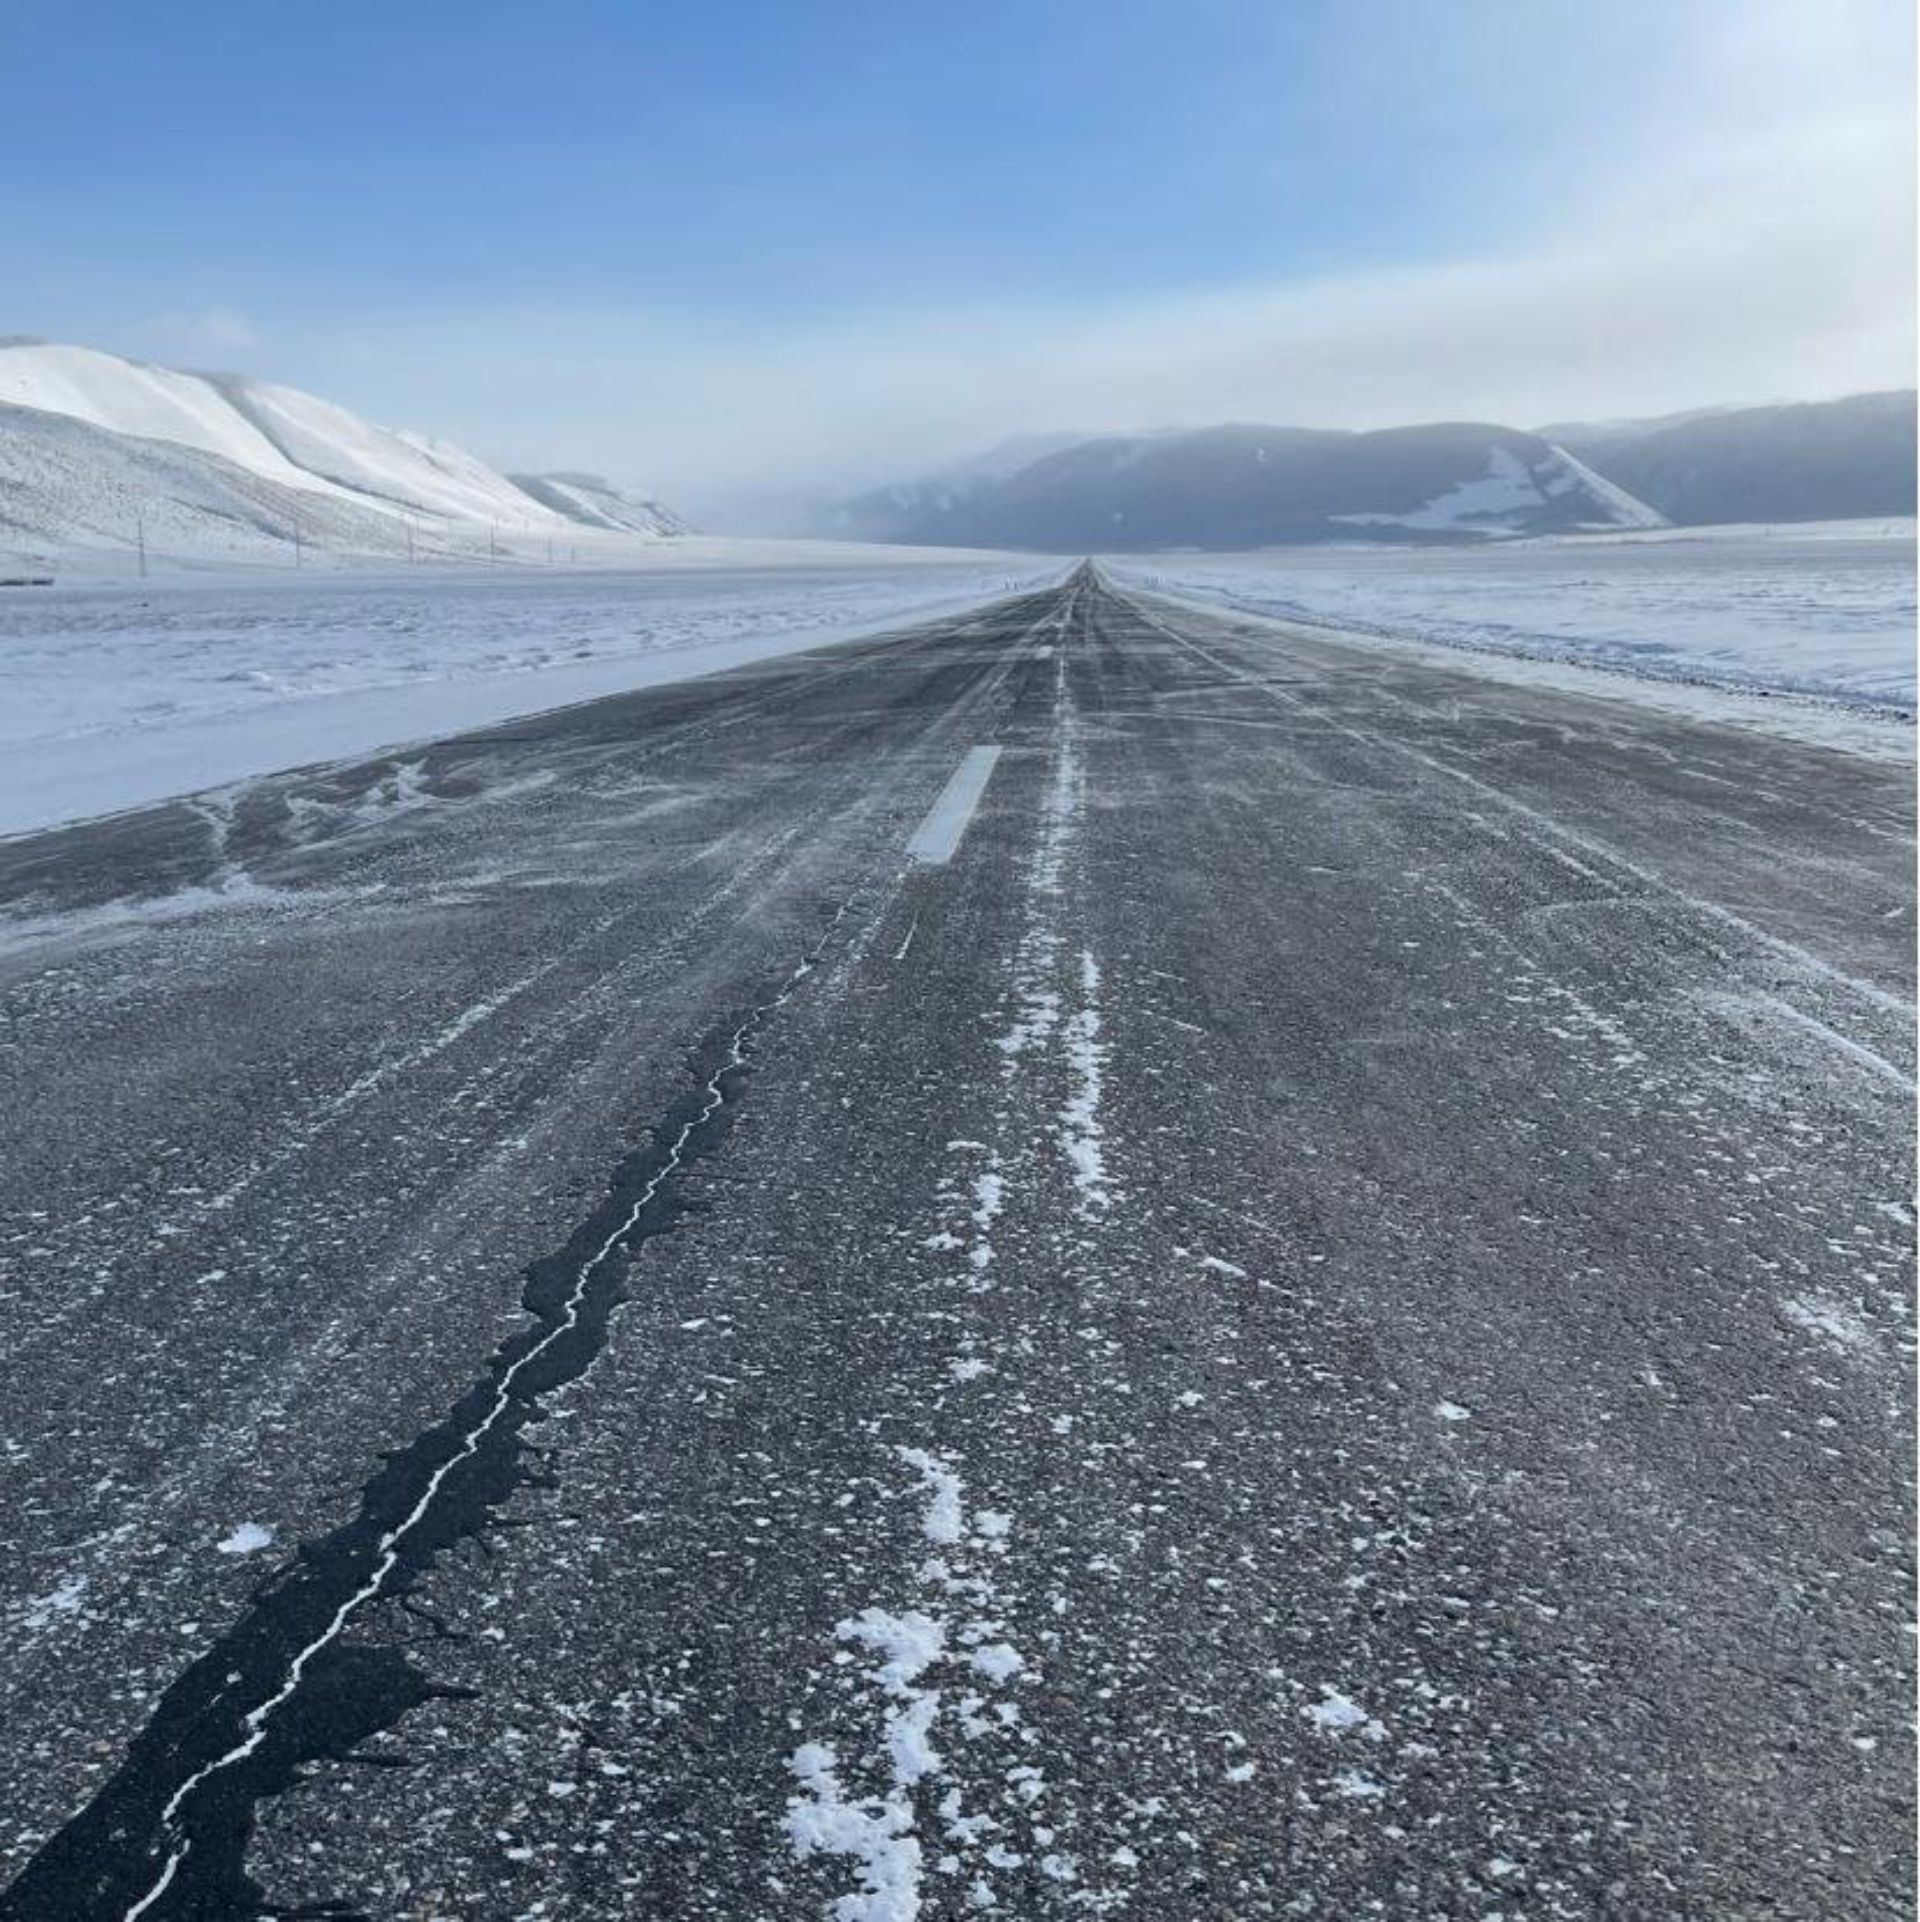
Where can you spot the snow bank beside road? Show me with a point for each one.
(1823, 612)
(113, 697)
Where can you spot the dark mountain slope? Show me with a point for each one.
(1823, 460)
(1251, 486)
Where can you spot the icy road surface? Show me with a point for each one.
(1308, 1320)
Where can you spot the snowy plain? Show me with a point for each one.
(1805, 630)
(118, 693)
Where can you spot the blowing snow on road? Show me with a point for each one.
(1097, 1258)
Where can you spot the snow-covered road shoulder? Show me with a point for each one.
(1805, 632)
(113, 697)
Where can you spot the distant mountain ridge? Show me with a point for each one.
(103, 452)
(1252, 486)
(1255, 486)
(1792, 461)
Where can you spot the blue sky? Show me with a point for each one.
(752, 248)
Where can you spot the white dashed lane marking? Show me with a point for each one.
(937, 837)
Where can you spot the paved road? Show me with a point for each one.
(1309, 1324)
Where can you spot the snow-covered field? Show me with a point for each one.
(116, 694)
(1824, 612)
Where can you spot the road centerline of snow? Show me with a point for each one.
(936, 838)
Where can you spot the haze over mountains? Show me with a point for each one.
(102, 453)
(1254, 486)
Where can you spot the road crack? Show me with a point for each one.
(283, 1688)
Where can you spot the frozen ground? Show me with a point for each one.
(1823, 613)
(115, 694)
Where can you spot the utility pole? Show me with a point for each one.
(409, 543)
(140, 537)
(493, 546)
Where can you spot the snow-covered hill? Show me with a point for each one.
(101, 453)
(594, 502)
(1799, 461)
(70, 489)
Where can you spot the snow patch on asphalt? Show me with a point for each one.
(1057, 999)
(249, 1538)
(1035, 1022)
(942, 1520)
(1833, 1322)
(934, 1658)
(233, 894)
(41, 1612)
(1336, 1713)
(875, 1832)
(1081, 1133)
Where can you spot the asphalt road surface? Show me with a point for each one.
(1286, 1297)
